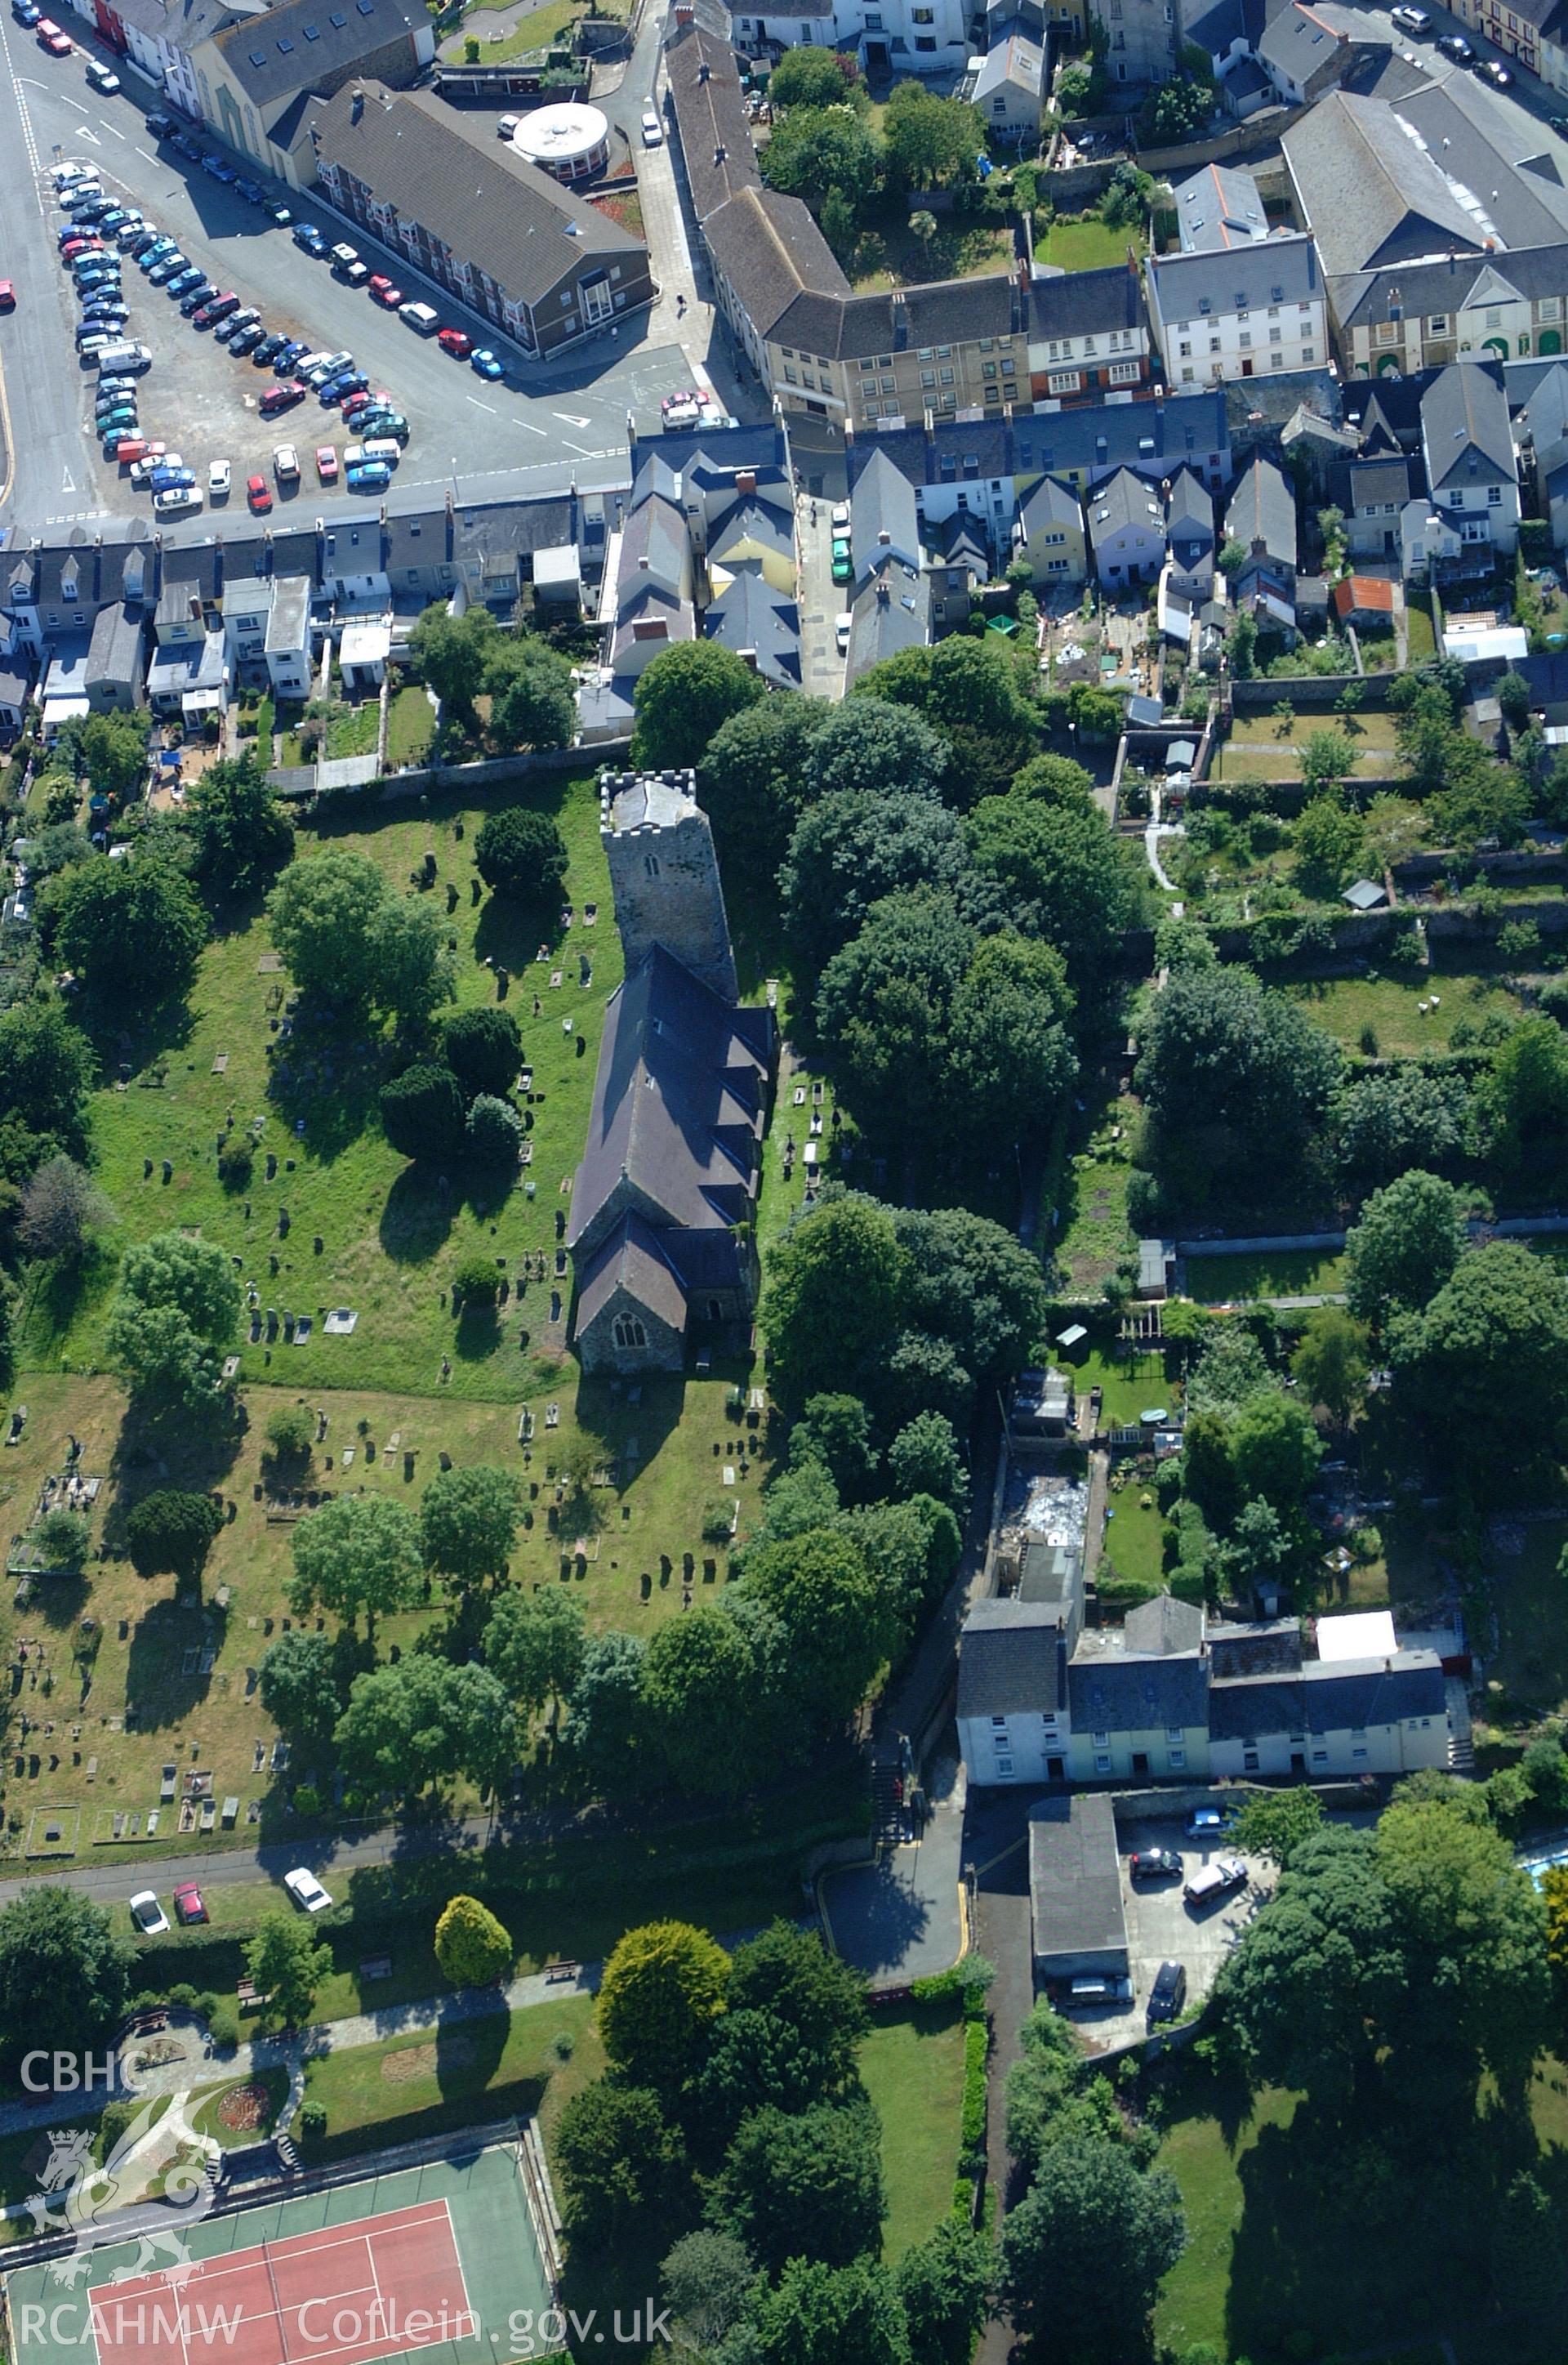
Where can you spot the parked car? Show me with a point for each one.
(25, 13)
(842, 627)
(167, 269)
(219, 169)
(308, 238)
(147, 1915)
(842, 565)
(1154, 1864)
(505, 125)
(126, 449)
(1411, 21)
(379, 284)
(1215, 1880)
(104, 83)
(287, 355)
(485, 363)
(387, 295)
(454, 341)
(177, 498)
(278, 213)
(258, 492)
(285, 465)
(1168, 1993)
(217, 307)
(202, 293)
(353, 382)
(248, 191)
(653, 129)
(241, 319)
(378, 420)
(248, 338)
(183, 281)
(188, 1904)
(111, 220)
(141, 474)
(159, 125)
(136, 242)
(218, 480)
(1204, 1823)
(307, 1891)
(279, 399)
(166, 478)
(1097, 1993)
(372, 477)
(1455, 46)
(1488, 69)
(327, 462)
(267, 351)
(57, 45)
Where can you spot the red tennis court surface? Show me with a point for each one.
(339, 2297)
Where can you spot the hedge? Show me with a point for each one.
(977, 2048)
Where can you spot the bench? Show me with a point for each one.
(556, 1972)
(375, 1967)
(249, 1997)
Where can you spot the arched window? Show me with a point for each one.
(628, 1332)
(650, 866)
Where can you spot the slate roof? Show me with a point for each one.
(781, 267)
(1465, 412)
(1262, 509)
(1075, 1878)
(115, 652)
(883, 501)
(1128, 1691)
(891, 612)
(1219, 207)
(677, 1102)
(1155, 437)
(1050, 503)
(632, 1259)
(181, 22)
(1085, 303)
(300, 44)
(750, 519)
(1164, 1626)
(709, 112)
(1245, 279)
(1189, 513)
(1008, 1658)
(1124, 501)
(1016, 61)
(1368, 195)
(939, 311)
(1372, 482)
(1337, 1697)
(655, 532)
(1297, 43)
(492, 208)
(750, 614)
(652, 473)
(1456, 282)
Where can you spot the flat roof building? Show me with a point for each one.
(1076, 1914)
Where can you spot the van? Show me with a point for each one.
(385, 449)
(1086, 1994)
(118, 359)
(1214, 1881)
(421, 316)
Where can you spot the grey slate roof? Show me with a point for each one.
(1125, 500)
(750, 519)
(182, 23)
(1464, 412)
(749, 614)
(115, 652)
(1189, 513)
(1368, 195)
(891, 612)
(655, 532)
(1164, 1626)
(300, 44)
(1154, 437)
(1219, 207)
(1126, 1691)
(491, 208)
(1075, 1877)
(631, 1258)
(1050, 503)
(1008, 1658)
(677, 1102)
(776, 260)
(1456, 282)
(882, 503)
(1338, 1696)
(1248, 279)
(715, 136)
(1016, 61)
(1297, 43)
(1262, 509)
(1085, 303)
(1372, 482)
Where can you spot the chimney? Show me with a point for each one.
(884, 539)
(748, 657)
(745, 480)
(356, 106)
(643, 562)
(703, 71)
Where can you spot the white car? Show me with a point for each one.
(72, 168)
(1411, 21)
(305, 1890)
(218, 480)
(176, 497)
(285, 465)
(148, 1914)
(102, 79)
(505, 125)
(840, 631)
(653, 129)
(839, 518)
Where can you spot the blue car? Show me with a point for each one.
(248, 191)
(155, 252)
(287, 355)
(217, 168)
(483, 360)
(167, 481)
(369, 476)
(111, 220)
(183, 281)
(346, 382)
(308, 237)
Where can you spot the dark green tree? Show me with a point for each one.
(468, 1523)
(323, 912)
(804, 2184)
(835, 1429)
(132, 929)
(520, 854)
(484, 1049)
(946, 2284)
(1485, 1361)
(171, 1531)
(423, 1113)
(834, 1295)
(47, 1070)
(683, 697)
(1406, 1244)
(299, 1679)
(1236, 1072)
(63, 1972)
(621, 2164)
(1084, 2253)
(852, 848)
(243, 834)
(605, 1706)
(698, 1687)
(357, 1556)
(454, 654)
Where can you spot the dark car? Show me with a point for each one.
(218, 309)
(287, 353)
(202, 294)
(1168, 1993)
(267, 351)
(248, 191)
(1488, 69)
(1455, 46)
(308, 238)
(1154, 1864)
(351, 382)
(186, 146)
(140, 239)
(1558, 123)
(189, 1905)
(183, 281)
(159, 125)
(247, 337)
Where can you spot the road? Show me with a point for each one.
(539, 429)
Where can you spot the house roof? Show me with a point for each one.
(677, 1102)
(774, 256)
(1050, 503)
(1250, 277)
(298, 44)
(1154, 437)
(655, 549)
(1163, 1626)
(115, 653)
(750, 615)
(1262, 509)
(1219, 207)
(1456, 282)
(1128, 1691)
(1075, 1877)
(891, 612)
(632, 1259)
(1085, 303)
(751, 520)
(1369, 194)
(1375, 481)
(1125, 502)
(491, 208)
(709, 112)
(1008, 1658)
(1464, 422)
(1016, 61)
(1189, 513)
(1298, 42)
(882, 503)
(1338, 1696)
(1363, 595)
(182, 23)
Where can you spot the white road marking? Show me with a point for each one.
(111, 126)
(528, 423)
(571, 419)
(482, 406)
(69, 483)
(150, 158)
(580, 449)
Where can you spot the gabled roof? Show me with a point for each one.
(1009, 1658)
(1189, 513)
(1372, 482)
(750, 519)
(632, 1259)
(780, 265)
(182, 23)
(1344, 1696)
(1016, 61)
(1262, 509)
(1124, 501)
(1369, 194)
(882, 503)
(891, 612)
(1363, 595)
(1298, 42)
(298, 44)
(1085, 303)
(715, 136)
(653, 474)
(1219, 207)
(655, 549)
(1128, 1691)
(1281, 270)
(114, 652)
(750, 615)
(1050, 503)
(1464, 425)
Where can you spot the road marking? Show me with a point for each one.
(571, 419)
(76, 103)
(482, 406)
(151, 159)
(68, 484)
(582, 449)
(111, 126)
(527, 424)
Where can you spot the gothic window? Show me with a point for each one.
(650, 866)
(628, 1332)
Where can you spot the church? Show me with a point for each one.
(663, 1208)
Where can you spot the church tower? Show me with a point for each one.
(664, 874)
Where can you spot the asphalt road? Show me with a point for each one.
(538, 429)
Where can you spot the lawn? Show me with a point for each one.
(1368, 733)
(1193, 2298)
(352, 730)
(1086, 243)
(1095, 1234)
(1388, 1002)
(1530, 1599)
(1286, 1272)
(1423, 643)
(207, 2113)
(410, 726)
(890, 255)
(1130, 1384)
(494, 2067)
(1132, 1550)
(913, 2068)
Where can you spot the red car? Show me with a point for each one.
(327, 462)
(281, 397)
(8, 297)
(388, 297)
(58, 46)
(380, 284)
(454, 341)
(190, 1904)
(130, 448)
(259, 493)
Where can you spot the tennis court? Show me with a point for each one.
(430, 2262)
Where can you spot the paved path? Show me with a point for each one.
(898, 1918)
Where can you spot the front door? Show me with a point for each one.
(1054, 1769)
(1140, 1764)
(876, 53)
(1247, 369)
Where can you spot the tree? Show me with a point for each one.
(707, 2279)
(1331, 1363)
(1328, 839)
(422, 1112)
(493, 1135)
(132, 929)
(533, 695)
(243, 832)
(753, 782)
(172, 1530)
(1011, 1061)
(663, 1987)
(47, 1070)
(412, 971)
(835, 1628)
(423, 1722)
(287, 1966)
(698, 1678)
(1063, 875)
(1525, 1098)
(473, 1948)
(972, 693)
(1085, 2251)
(804, 2184)
(930, 142)
(1511, 691)
(60, 1541)
(1276, 1451)
(112, 751)
(484, 1048)
(357, 1555)
(834, 1431)
(1276, 1823)
(1240, 1072)
(851, 849)
(535, 1644)
(924, 227)
(63, 1974)
(1055, 779)
(1177, 112)
(520, 854)
(1242, 642)
(790, 2032)
(806, 77)
(1526, 2260)
(923, 1459)
(1405, 1117)
(819, 152)
(621, 2163)
(1487, 1362)
(1410, 1237)
(884, 997)
(820, 2314)
(1326, 761)
(605, 1701)
(834, 1292)
(1479, 799)
(945, 2284)
(684, 694)
(1126, 202)
(178, 1306)
(454, 654)
(468, 1524)
(299, 1688)
(323, 912)
(61, 1209)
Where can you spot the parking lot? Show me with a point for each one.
(1163, 1928)
(465, 432)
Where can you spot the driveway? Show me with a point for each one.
(898, 1920)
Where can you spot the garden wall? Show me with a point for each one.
(1453, 921)
(1263, 693)
(420, 780)
(1260, 130)
(1415, 870)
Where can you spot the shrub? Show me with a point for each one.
(472, 1947)
(520, 854)
(307, 1800)
(312, 2119)
(235, 1162)
(171, 1532)
(493, 1132)
(421, 1112)
(977, 2046)
(484, 1049)
(718, 1520)
(60, 1539)
(223, 2026)
(477, 1281)
(290, 1434)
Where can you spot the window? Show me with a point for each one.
(627, 1332)
(1307, 355)
(1275, 336)
(1102, 1763)
(946, 378)
(1359, 1753)
(1439, 324)
(1173, 1735)
(1249, 1761)
(650, 866)
(1124, 374)
(1064, 381)
(1002, 1720)
(927, 377)
(1008, 367)
(924, 41)
(1494, 318)
(1003, 1765)
(1185, 351)
(1102, 1739)
(1246, 340)
(1176, 1760)
(789, 377)
(1494, 494)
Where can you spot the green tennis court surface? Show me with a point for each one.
(436, 2263)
